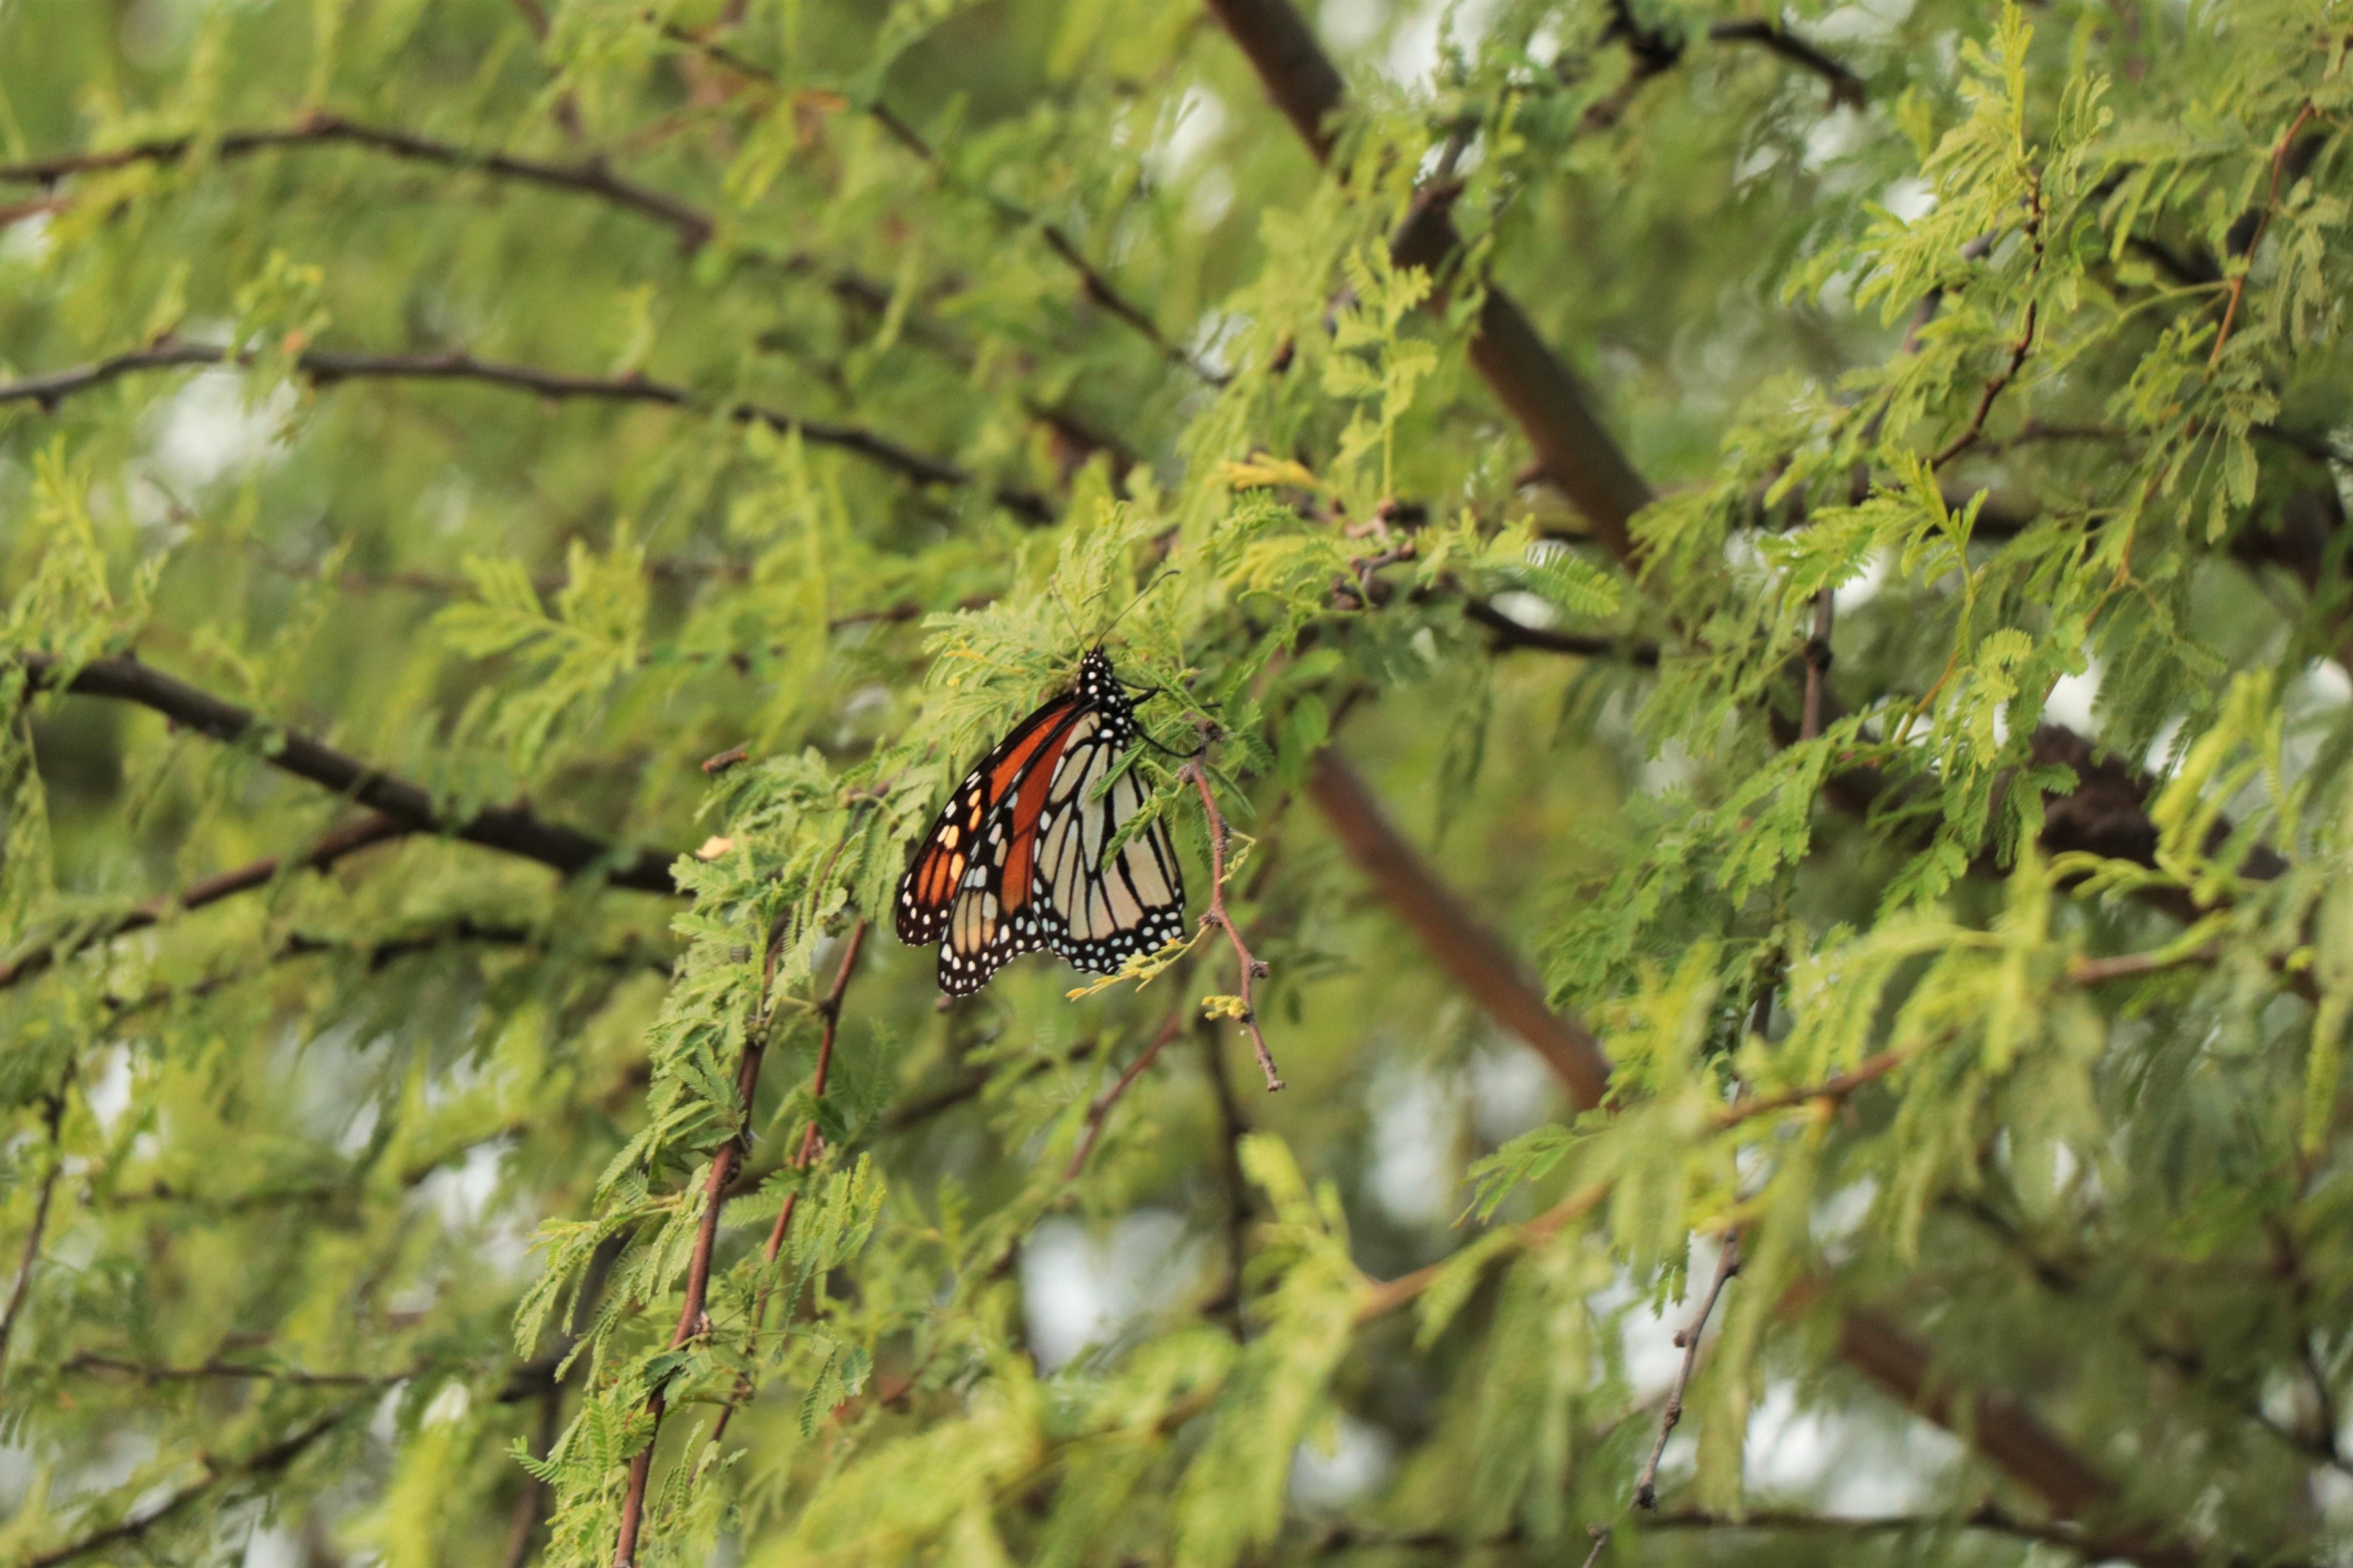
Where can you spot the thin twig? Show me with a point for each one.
(590, 177)
(53, 1111)
(2020, 348)
(2263, 223)
(331, 846)
(1600, 1533)
(1252, 967)
(1099, 1110)
(1727, 1264)
(233, 1371)
(325, 369)
(829, 1009)
(693, 1320)
(1513, 634)
(277, 1457)
(514, 830)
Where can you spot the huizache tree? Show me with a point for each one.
(1734, 617)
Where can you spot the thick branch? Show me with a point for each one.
(1846, 88)
(1477, 957)
(325, 369)
(1546, 398)
(514, 829)
(2004, 1427)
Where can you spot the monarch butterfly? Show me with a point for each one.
(1016, 863)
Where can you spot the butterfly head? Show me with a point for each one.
(1096, 683)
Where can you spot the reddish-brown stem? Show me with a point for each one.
(1099, 1111)
(1253, 968)
(1727, 1264)
(2270, 202)
(693, 1319)
(829, 1009)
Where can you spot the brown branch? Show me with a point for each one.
(2006, 1430)
(1986, 1516)
(1846, 88)
(513, 830)
(330, 848)
(589, 177)
(1476, 958)
(2263, 223)
(1546, 399)
(1727, 1264)
(1096, 286)
(325, 369)
(1252, 967)
(1099, 1109)
(267, 1461)
(217, 1370)
(53, 1111)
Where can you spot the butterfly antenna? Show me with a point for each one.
(1054, 586)
(1157, 580)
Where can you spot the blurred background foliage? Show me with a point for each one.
(1931, 798)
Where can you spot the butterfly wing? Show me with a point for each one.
(1018, 860)
(1106, 906)
(943, 866)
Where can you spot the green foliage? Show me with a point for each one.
(707, 426)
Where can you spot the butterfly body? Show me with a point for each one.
(1017, 861)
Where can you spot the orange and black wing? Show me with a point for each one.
(970, 880)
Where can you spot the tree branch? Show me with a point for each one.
(1546, 397)
(2005, 1430)
(829, 1009)
(53, 1111)
(1476, 958)
(1727, 1264)
(1846, 88)
(267, 1461)
(514, 829)
(1099, 1109)
(692, 1320)
(324, 369)
(1511, 633)
(217, 1370)
(330, 848)
(589, 177)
